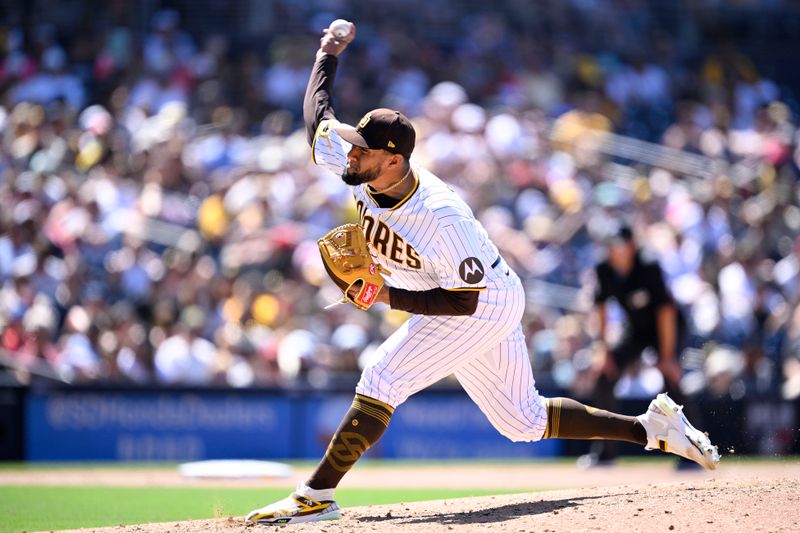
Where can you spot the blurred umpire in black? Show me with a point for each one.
(652, 320)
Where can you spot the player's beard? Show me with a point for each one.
(357, 178)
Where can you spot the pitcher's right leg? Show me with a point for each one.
(501, 383)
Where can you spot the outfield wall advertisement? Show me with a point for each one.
(178, 426)
(155, 426)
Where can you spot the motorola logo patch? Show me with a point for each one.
(471, 270)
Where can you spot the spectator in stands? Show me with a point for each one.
(52, 84)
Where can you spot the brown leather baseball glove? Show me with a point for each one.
(348, 262)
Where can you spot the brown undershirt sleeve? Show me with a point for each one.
(434, 301)
(318, 102)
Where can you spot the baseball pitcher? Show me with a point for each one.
(418, 247)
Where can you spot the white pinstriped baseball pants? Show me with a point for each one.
(486, 352)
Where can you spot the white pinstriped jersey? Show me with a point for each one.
(329, 150)
(429, 239)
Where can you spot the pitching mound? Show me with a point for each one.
(744, 504)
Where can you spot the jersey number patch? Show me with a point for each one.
(471, 270)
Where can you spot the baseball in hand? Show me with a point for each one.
(340, 28)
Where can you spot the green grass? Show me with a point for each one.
(37, 508)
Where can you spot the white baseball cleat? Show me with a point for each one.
(668, 430)
(295, 509)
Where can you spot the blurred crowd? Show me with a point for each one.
(159, 211)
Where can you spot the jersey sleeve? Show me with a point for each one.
(459, 259)
(328, 149)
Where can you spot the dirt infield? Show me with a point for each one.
(740, 496)
(738, 504)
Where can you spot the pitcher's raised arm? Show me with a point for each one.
(318, 101)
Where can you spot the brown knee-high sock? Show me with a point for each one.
(361, 427)
(568, 419)
(603, 398)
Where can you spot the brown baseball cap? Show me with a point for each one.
(381, 129)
